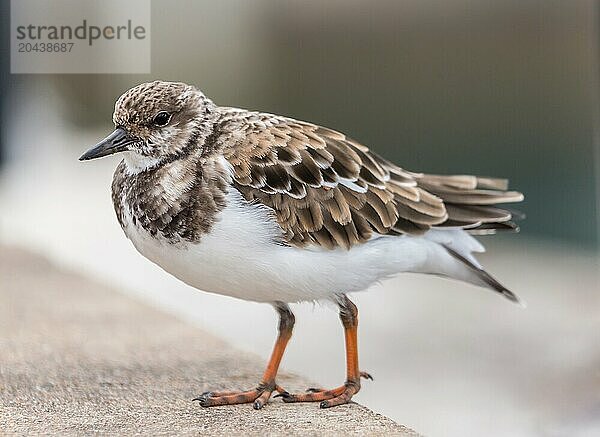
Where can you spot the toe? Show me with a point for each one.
(314, 396)
(344, 398)
(261, 400)
(333, 402)
(257, 397)
(244, 397)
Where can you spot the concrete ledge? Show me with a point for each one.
(78, 358)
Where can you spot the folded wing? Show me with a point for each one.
(330, 190)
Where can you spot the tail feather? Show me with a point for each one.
(473, 203)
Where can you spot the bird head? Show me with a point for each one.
(155, 122)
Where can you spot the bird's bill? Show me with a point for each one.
(117, 141)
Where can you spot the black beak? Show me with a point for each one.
(114, 143)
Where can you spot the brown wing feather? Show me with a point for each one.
(330, 190)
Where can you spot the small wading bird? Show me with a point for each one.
(271, 209)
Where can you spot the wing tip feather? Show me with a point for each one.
(487, 279)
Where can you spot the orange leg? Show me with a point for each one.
(261, 394)
(342, 394)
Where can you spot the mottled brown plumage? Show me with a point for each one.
(330, 190)
(147, 197)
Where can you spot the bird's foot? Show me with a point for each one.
(258, 397)
(328, 398)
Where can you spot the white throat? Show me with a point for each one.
(137, 163)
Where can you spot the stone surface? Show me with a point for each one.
(80, 358)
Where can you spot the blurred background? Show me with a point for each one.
(501, 88)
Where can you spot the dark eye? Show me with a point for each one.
(162, 118)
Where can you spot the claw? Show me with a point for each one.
(366, 376)
(204, 402)
(203, 397)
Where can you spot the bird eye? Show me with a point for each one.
(162, 118)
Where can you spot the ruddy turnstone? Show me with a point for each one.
(271, 209)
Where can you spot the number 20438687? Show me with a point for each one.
(45, 47)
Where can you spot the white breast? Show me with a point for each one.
(240, 257)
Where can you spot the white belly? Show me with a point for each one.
(240, 258)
